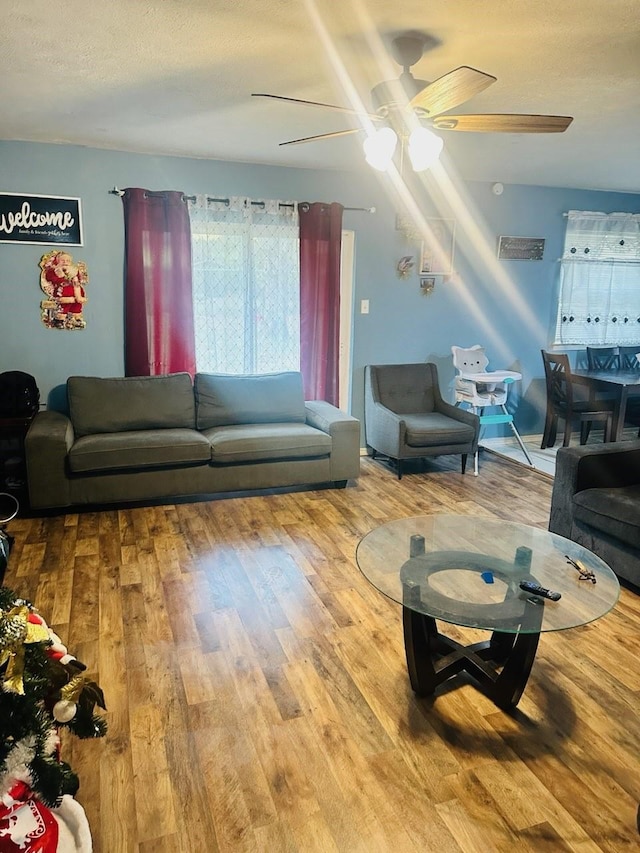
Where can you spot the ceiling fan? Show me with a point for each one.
(408, 107)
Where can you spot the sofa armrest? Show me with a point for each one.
(385, 430)
(458, 414)
(590, 467)
(345, 437)
(47, 443)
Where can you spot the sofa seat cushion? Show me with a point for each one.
(145, 448)
(131, 403)
(614, 511)
(223, 399)
(266, 442)
(432, 429)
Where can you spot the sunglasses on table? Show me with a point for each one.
(585, 574)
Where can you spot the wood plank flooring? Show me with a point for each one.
(257, 691)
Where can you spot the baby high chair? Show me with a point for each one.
(480, 389)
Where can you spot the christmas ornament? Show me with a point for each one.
(17, 627)
(64, 711)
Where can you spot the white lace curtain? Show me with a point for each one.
(600, 280)
(246, 284)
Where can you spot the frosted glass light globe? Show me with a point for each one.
(380, 147)
(424, 148)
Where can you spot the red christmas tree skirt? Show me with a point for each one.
(28, 826)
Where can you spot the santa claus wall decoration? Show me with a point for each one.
(63, 282)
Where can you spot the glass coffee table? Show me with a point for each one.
(467, 571)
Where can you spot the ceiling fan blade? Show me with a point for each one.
(346, 110)
(452, 89)
(320, 136)
(504, 123)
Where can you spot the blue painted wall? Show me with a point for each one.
(507, 306)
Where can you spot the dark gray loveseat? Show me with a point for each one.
(596, 502)
(139, 438)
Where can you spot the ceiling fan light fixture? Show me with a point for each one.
(424, 148)
(379, 148)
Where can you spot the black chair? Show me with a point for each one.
(603, 358)
(618, 358)
(561, 404)
(629, 359)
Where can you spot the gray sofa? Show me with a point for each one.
(596, 502)
(140, 438)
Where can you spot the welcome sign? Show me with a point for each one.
(40, 219)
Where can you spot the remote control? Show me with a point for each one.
(536, 589)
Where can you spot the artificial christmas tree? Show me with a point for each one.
(42, 690)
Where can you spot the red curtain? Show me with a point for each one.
(320, 244)
(159, 333)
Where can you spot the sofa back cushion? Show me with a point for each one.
(135, 402)
(223, 399)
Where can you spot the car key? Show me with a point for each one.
(536, 589)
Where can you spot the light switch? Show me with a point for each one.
(364, 306)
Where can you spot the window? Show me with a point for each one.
(599, 300)
(246, 285)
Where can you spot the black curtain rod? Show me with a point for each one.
(227, 201)
(116, 191)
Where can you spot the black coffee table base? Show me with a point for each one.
(501, 665)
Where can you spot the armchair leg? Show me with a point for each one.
(464, 462)
(399, 469)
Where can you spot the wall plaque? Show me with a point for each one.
(40, 219)
(520, 248)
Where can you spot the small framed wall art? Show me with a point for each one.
(437, 247)
(520, 248)
(427, 284)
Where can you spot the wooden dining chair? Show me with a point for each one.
(561, 404)
(629, 357)
(603, 358)
(630, 360)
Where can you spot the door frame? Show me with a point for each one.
(347, 268)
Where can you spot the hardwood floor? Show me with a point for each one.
(257, 691)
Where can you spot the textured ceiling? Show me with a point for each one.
(176, 77)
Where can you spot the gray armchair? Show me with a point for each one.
(406, 417)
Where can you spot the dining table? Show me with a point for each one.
(621, 384)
